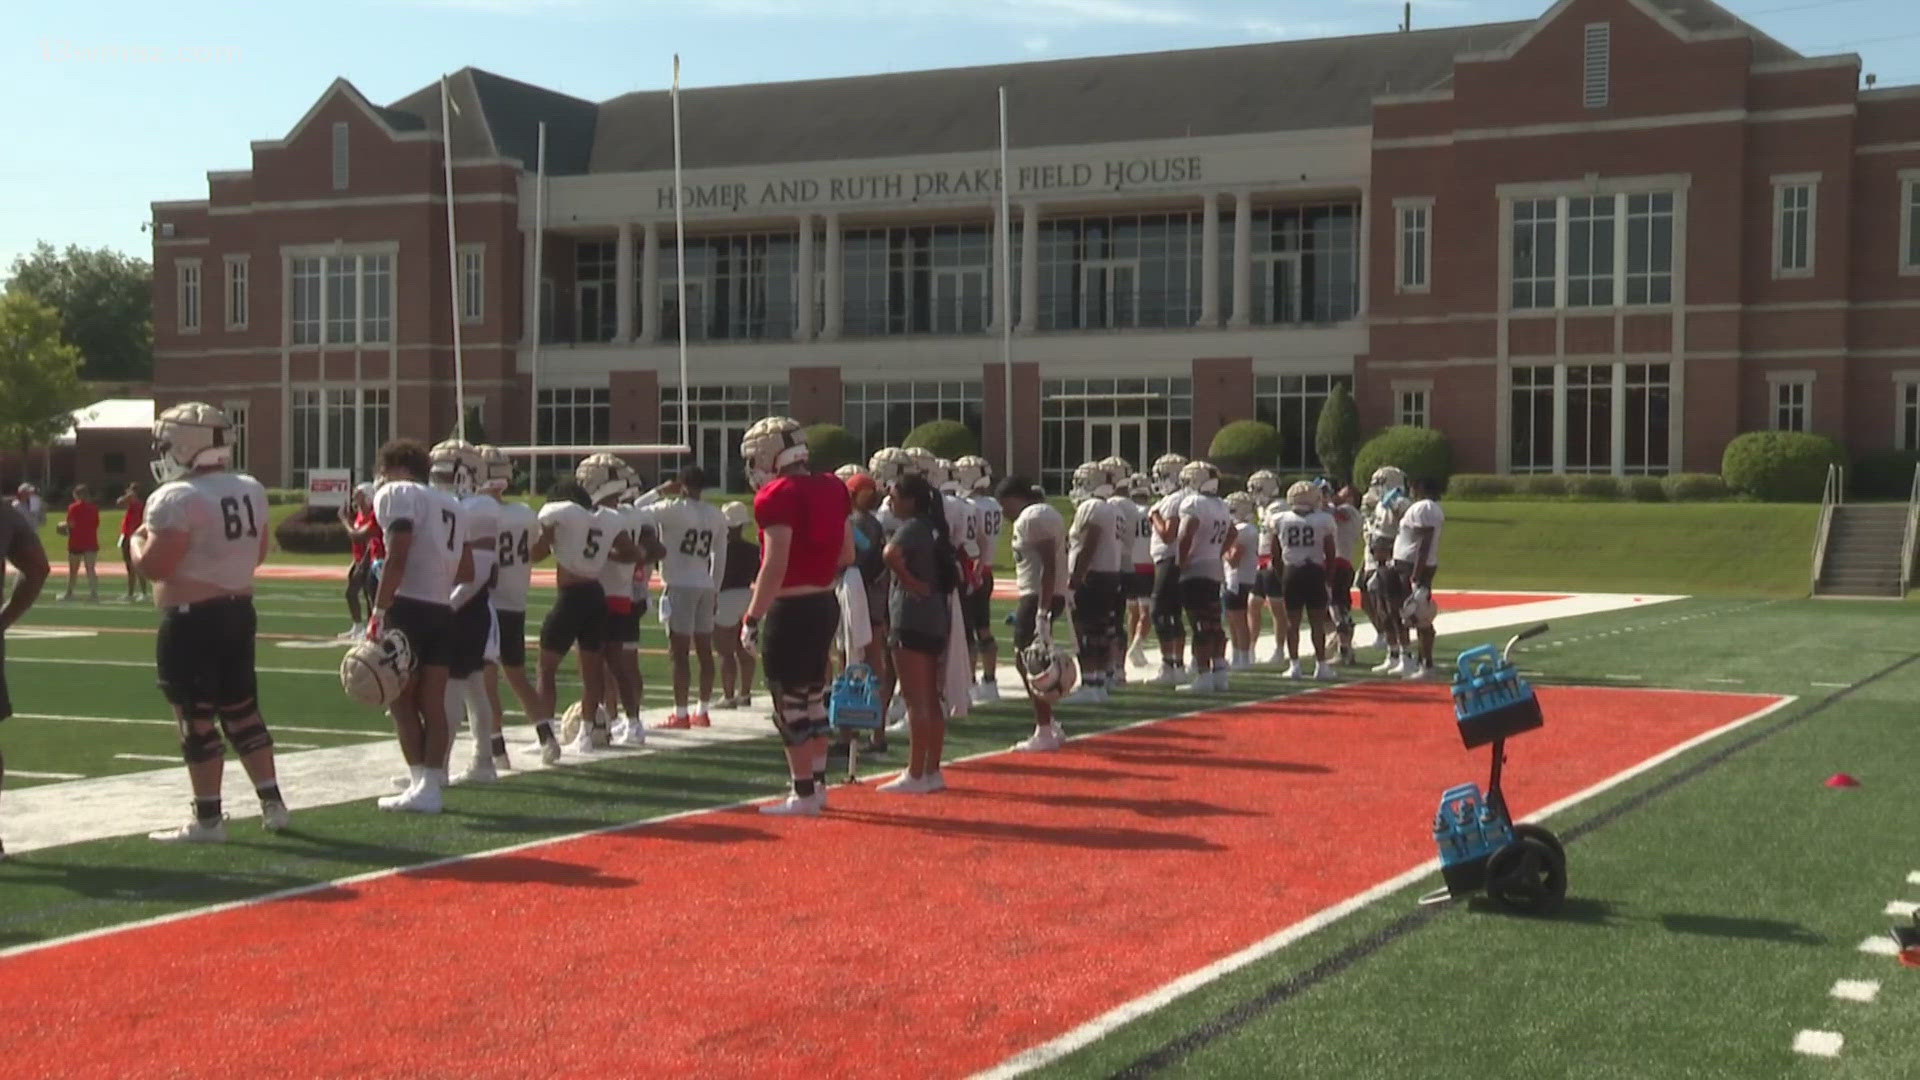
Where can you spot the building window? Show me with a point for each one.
(1590, 264)
(1589, 435)
(1087, 419)
(188, 294)
(1792, 396)
(348, 298)
(1906, 414)
(340, 130)
(926, 279)
(718, 417)
(1648, 394)
(740, 287)
(882, 413)
(1531, 448)
(339, 427)
(237, 432)
(1793, 226)
(595, 265)
(1910, 225)
(236, 292)
(473, 283)
(1291, 403)
(1119, 272)
(1415, 253)
(1598, 63)
(1410, 407)
(1306, 264)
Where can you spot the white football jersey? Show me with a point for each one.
(513, 555)
(1269, 514)
(1213, 525)
(991, 520)
(439, 537)
(695, 536)
(482, 516)
(1039, 528)
(1098, 517)
(963, 525)
(1425, 514)
(1346, 533)
(1246, 560)
(1168, 507)
(889, 524)
(1301, 538)
(616, 578)
(1130, 525)
(581, 537)
(224, 515)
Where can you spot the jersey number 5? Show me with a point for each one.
(593, 544)
(230, 518)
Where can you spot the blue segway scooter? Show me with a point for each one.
(1522, 867)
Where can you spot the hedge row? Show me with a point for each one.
(1679, 487)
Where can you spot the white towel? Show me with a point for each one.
(856, 626)
(958, 672)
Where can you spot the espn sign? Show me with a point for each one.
(329, 488)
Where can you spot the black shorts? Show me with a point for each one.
(1026, 618)
(1340, 586)
(472, 626)
(795, 638)
(1266, 584)
(1095, 600)
(513, 637)
(1422, 577)
(623, 627)
(1166, 589)
(976, 611)
(1200, 599)
(1303, 587)
(1394, 585)
(578, 616)
(1139, 584)
(6, 702)
(428, 627)
(924, 644)
(1233, 596)
(204, 654)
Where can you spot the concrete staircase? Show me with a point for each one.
(1863, 551)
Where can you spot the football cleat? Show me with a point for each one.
(419, 799)
(906, 785)
(193, 832)
(1293, 669)
(797, 806)
(550, 752)
(630, 734)
(1042, 740)
(274, 815)
(480, 772)
(1324, 671)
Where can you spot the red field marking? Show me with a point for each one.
(1039, 893)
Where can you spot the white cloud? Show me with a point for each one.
(1036, 44)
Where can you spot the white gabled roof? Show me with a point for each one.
(110, 413)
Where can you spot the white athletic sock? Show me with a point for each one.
(435, 778)
(701, 709)
(480, 715)
(417, 772)
(679, 712)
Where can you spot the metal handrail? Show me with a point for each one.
(1830, 497)
(1913, 524)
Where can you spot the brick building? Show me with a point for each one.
(1605, 240)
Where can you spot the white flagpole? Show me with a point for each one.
(680, 254)
(534, 304)
(453, 264)
(1006, 285)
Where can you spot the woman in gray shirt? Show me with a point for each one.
(925, 573)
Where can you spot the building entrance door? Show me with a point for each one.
(1125, 437)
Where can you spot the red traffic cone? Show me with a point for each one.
(1842, 780)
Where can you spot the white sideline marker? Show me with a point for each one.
(1819, 1043)
(1880, 945)
(1831, 685)
(1902, 909)
(1914, 878)
(168, 758)
(29, 774)
(1862, 990)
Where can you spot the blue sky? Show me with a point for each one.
(114, 103)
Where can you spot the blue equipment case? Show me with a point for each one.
(1468, 829)
(1490, 699)
(855, 700)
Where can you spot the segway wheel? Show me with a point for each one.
(1528, 876)
(1545, 836)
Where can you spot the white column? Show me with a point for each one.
(803, 329)
(529, 291)
(1029, 268)
(1619, 416)
(650, 283)
(1242, 259)
(1560, 418)
(831, 324)
(623, 285)
(1210, 262)
(996, 326)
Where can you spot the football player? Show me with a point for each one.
(806, 538)
(1416, 559)
(736, 590)
(693, 534)
(1093, 567)
(1387, 489)
(1128, 517)
(1263, 487)
(205, 533)
(975, 477)
(456, 471)
(1303, 543)
(581, 539)
(1040, 570)
(1206, 543)
(20, 547)
(1241, 572)
(1140, 576)
(1163, 546)
(513, 564)
(1347, 527)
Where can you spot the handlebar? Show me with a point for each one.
(1530, 632)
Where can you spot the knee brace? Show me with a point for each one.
(245, 732)
(800, 713)
(200, 741)
(1167, 624)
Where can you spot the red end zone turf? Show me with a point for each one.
(925, 936)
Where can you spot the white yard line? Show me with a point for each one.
(271, 726)
(1879, 945)
(168, 758)
(14, 658)
(1914, 878)
(1862, 990)
(1901, 909)
(1819, 1043)
(30, 774)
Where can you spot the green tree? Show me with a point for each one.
(105, 305)
(1245, 446)
(40, 372)
(830, 446)
(949, 439)
(1336, 439)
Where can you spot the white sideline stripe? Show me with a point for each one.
(148, 664)
(1727, 682)
(1832, 685)
(278, 745)
(1864, 990)
(29, 774)
(1880, 945)
(1100, 1026)
(1625, 678)
(168, 758)
(1819, 1043)
(169, 723)
(1902, 909)
(1914, 878)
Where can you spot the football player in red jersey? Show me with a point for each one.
(806, 540)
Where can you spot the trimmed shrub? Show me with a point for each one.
(948, 439)
(286, 496)
(1643, 489)
(1694, 487)
(1780, 466)
(313, 531)
(1421, 453)
(1480, 486)
(1245, 446)
(830, 446)
(1593, 487)
(1552, 485)
(1336, 437)
(1883, 476)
